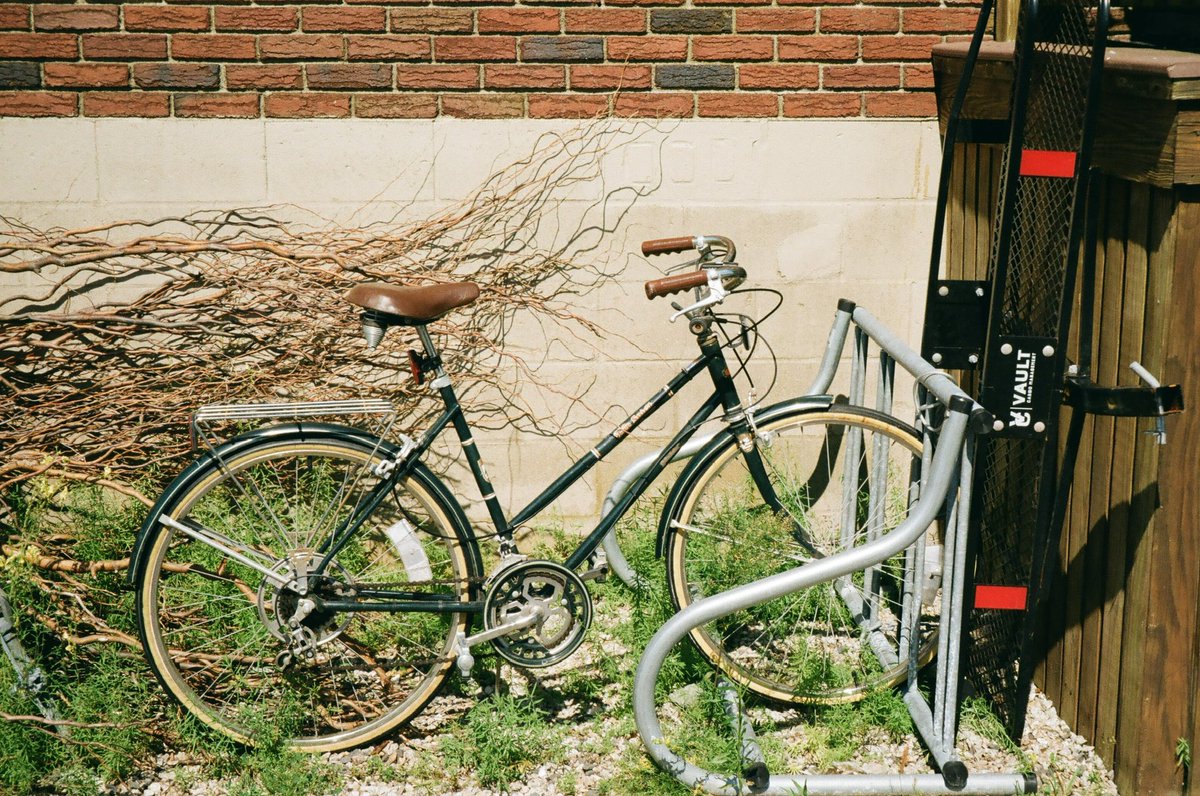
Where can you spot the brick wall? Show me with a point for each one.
(401, 59)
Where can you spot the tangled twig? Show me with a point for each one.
(125, 328)
(118, 332)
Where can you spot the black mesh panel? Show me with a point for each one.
(1031, 270)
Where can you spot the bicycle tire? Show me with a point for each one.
(809, 646)
(212, 627)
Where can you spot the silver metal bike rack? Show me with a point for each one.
(29, 677)
(949, 421)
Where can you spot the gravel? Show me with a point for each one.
(601, 753)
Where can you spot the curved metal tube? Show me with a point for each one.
(924, 511)
(612, 549)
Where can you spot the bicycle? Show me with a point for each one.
(323, 578)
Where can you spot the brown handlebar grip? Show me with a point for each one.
(673, 284)
(668, 245)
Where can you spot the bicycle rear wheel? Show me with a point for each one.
(218, 630)
(843, 478)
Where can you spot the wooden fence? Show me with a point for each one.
(1122, 633)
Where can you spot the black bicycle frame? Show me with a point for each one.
(724, 396)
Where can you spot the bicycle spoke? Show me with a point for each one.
(838, 475)
(232, 637)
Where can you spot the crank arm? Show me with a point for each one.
(597, 574)
(503, 630)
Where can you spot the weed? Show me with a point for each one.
(113, 711)
(24, 749)
(501, 738)
(267, 769)
(977, 715)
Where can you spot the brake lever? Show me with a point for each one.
(716, 293)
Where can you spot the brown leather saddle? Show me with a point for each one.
(412, 306)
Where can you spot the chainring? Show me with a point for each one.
(548, 591)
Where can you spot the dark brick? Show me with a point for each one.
(691, 20)
(20, 74)
(177, 75)
(562, 48)
(694, 76)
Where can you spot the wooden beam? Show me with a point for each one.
(1149, 126)
(1006, 19)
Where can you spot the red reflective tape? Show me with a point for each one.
(1003, 598)
(1047, 163)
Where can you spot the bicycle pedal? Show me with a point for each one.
(598, 574)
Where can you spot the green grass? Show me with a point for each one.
(495, 743)
(501, 738)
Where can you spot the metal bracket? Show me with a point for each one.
(1095, 399)
(385, 467)
(956, 324)
(1154, 400)
(1020, 390)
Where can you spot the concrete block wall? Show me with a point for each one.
(820, 209)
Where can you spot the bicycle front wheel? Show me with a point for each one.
(234, 639)
(841, 477)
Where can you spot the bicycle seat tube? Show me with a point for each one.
(441, 382)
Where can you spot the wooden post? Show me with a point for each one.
(1006, 19)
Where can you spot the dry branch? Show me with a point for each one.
(111, 336)
(124, 329)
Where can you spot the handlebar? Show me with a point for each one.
(668, 245)
(718, 272)
(673, 284)
(683, 243)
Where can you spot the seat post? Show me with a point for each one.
(441, 380)
(427, 344)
